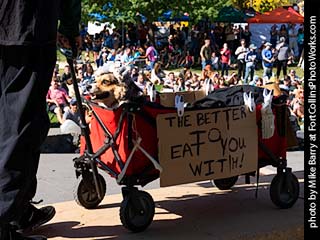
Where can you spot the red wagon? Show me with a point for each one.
(124, 143)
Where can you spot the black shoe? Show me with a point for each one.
(34, 218)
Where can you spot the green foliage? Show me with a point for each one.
(261, 5)
(128, 10)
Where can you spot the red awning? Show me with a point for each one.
(278, 15)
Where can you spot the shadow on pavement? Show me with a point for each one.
(221, 215)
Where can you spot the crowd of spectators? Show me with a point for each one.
(225, 56)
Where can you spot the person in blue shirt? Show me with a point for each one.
(250, 59)
(267, 60)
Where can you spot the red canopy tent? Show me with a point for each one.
(278, 15)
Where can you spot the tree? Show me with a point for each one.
(119, 11)
(261, 5)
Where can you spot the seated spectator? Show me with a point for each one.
(232, 80)
(71, 122)
(285, 85)
(180, 85)
(65, 75)
(221, 83)
(297, 105)
(102, 59)
(214, 61)
(186, 68)
(157, 74)
(293, 77)
(193, 84)
(112, 55)
(57, 99)
(188, 75)
(134, 74)
(170, 81)
(141, 82)
(259, 82)
(189, 59)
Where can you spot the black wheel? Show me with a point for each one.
(284, 190)
(137, 211)
(225, 183)
(85, 193)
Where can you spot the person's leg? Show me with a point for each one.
(240, 68)
(251, 72)
(59, 114)
(203, 64)
(278, 69)
(245, 81)
(24, 124)
(284, 67)
(223, 69)
(70, 127)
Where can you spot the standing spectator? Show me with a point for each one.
(293, 41)
(267, 60)
(300, 40)
(205, 53)
(142, 35)
(246, 35)
(27, 59)
(230, 37)
(241, 53)
(195, 47)
(132, 34)
(107, 40)
(225, 59)
(250, 59)
(274, 35)
(283, 32)
(96, 46)
(283, 55)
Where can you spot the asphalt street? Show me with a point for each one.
(56, 176)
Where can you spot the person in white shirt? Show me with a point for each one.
(241, 53)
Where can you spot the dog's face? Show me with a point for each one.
(107, 90)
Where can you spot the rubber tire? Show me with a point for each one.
(88, 198)
(131, 220)
(225, 183)
(279, 194)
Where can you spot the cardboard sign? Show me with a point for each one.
(207, 144)
(168, 99)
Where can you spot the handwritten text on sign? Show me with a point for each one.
(207, 144)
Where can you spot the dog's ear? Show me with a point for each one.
(120, 92)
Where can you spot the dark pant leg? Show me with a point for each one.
(241, 69)
(25, 75)
(284, 68)
(278, 68)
